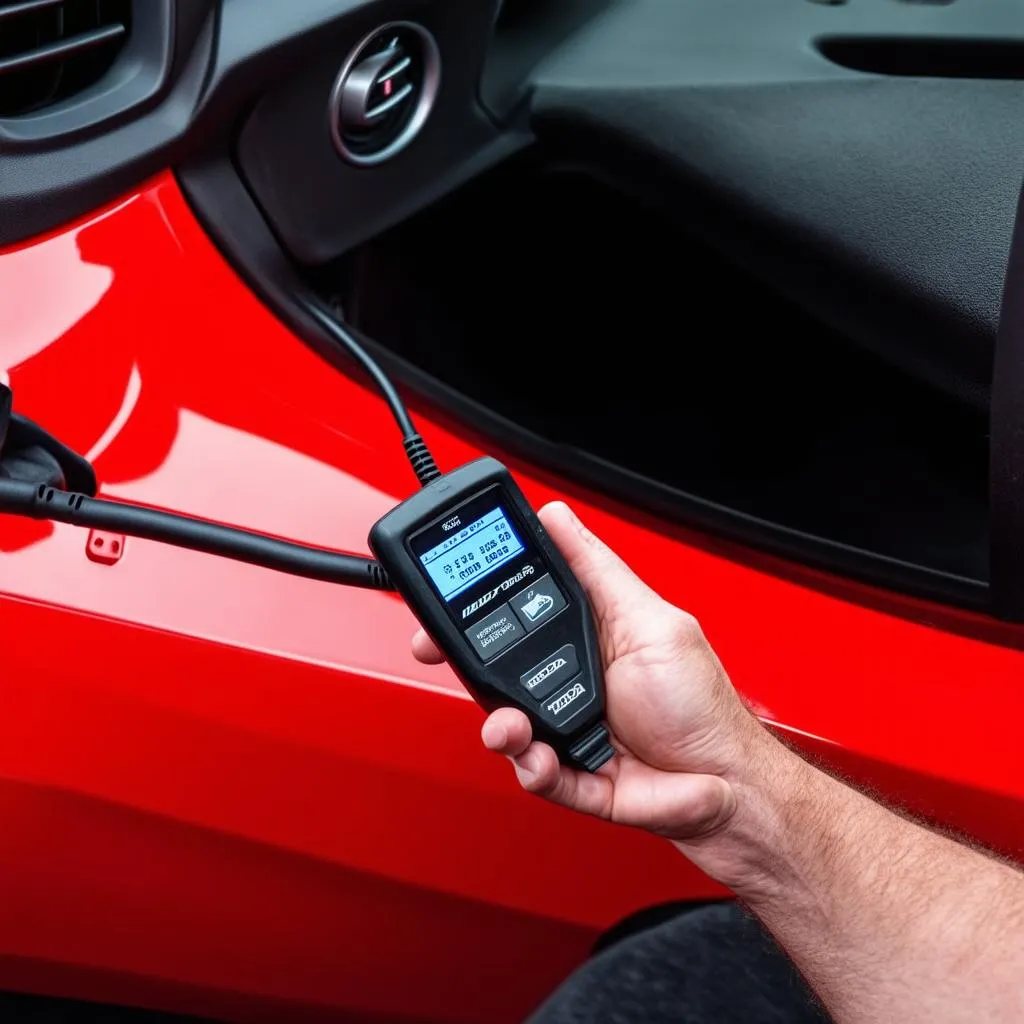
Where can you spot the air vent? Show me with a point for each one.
(52, 49)
(384, 93)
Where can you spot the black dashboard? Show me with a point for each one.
(876, 143)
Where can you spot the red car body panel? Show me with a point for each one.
(227, 790)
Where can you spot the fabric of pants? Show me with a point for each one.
(712, 965)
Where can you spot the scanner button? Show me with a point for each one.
(548, 675)
(492, 635)
(537, 603)
(560, 707)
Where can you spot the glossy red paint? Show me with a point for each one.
(226, 790)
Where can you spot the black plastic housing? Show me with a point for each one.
(496, 683)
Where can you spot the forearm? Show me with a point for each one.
(887, 920)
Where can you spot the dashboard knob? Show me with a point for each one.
(384, 93)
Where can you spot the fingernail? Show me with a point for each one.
(527, 767)
(494, 735)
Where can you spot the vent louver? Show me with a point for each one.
(52, 49)
(384, 93)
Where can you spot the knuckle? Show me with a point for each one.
(550, 785)
(706, 804)
(534, 785)
(711, 807)
(540, 779)
(685, 628)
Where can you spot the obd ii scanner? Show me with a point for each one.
(479, 571)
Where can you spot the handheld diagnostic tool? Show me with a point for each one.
(479, 571)
(466, 552)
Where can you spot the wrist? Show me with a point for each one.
(747, 853)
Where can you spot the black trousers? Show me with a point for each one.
(713, 965)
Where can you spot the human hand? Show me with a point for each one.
(681, 731)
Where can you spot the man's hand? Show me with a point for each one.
(887, 920)
(679, 726)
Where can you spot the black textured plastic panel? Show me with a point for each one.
(226, 54)
(62, 161)
(883, 204)
(318, 204)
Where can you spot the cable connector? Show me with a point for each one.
(378, 577)
(593, 749)
(423, 464)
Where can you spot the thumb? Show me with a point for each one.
(621, 601)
